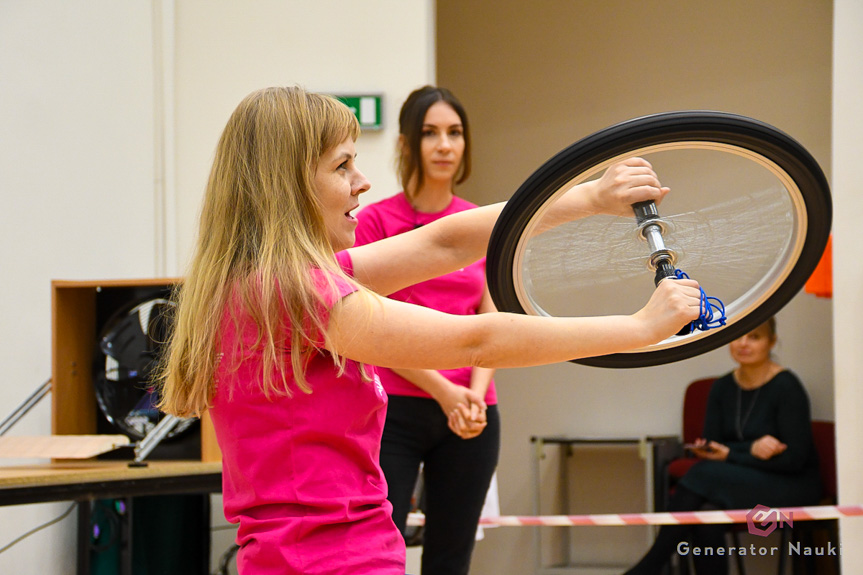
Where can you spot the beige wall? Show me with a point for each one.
(535, 77)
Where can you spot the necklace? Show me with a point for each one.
(741, 420)
(416, 215)
(415, 211)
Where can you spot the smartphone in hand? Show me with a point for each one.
(703, 447)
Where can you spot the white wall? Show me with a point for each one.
(226, 50)
(109, 113)
(76, 169)
(847, 270)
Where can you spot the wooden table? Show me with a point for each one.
(86, 481)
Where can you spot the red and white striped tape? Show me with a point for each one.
(681, 517)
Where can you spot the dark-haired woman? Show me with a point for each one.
(447, 420)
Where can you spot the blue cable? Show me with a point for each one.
(712, 310)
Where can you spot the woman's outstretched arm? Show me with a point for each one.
(375, 330)
(460, 239)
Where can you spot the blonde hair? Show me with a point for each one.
(261, 234)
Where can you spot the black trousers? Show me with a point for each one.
(457, 473)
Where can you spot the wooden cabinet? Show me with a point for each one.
(80, 310)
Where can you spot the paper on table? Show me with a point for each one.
(60, 446)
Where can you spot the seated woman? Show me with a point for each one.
(757, 449)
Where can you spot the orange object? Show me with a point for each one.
(820, 282)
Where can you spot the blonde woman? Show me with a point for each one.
(279, 322)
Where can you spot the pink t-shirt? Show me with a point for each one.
(458, 293)
(301, 473)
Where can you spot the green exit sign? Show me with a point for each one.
(367, 109)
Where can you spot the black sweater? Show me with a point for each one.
(736, 418)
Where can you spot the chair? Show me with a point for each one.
(694, 411)
(823, 435)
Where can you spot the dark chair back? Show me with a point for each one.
(695, 408)
(694, 411)
(823, 435)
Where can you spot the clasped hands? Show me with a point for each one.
(465, 411)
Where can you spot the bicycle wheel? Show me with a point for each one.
(748, 217)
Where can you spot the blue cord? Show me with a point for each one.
(712, 310)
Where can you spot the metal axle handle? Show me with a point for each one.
(661, 258)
